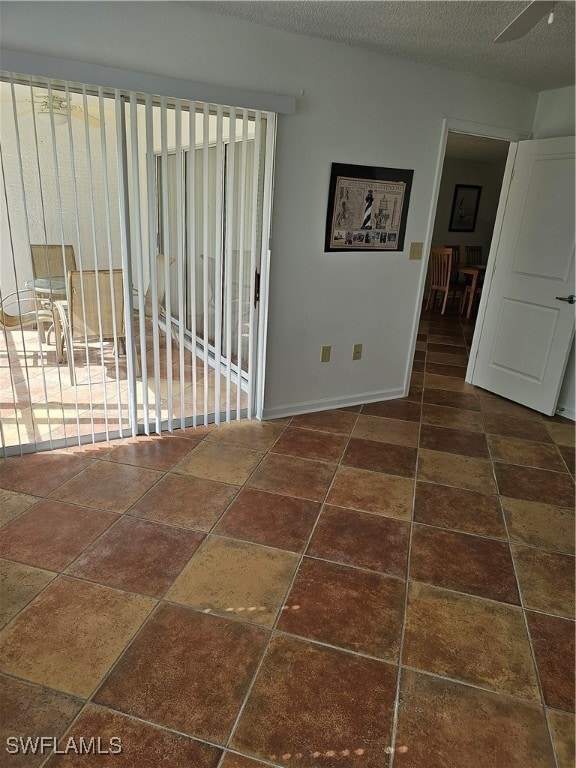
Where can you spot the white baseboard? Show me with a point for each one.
(330, 403)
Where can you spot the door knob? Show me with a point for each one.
(570, 299)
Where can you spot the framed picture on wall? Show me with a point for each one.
(464, 208)
(367, 208)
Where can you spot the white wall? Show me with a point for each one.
(486, 175)
(555, 117)
(554, 114)
(357, 107)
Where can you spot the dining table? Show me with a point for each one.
(48, 288)
(475, 271)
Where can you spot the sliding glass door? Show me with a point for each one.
(172, 200)
(240, 209)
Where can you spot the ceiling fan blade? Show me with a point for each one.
(525, 20)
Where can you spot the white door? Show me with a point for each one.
(525, 328)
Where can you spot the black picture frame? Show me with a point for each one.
(356, 223)
(465, 204)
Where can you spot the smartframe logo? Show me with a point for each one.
(78, 745)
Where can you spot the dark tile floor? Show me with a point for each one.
(386, 585)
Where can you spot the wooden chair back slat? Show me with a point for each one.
(473, 254)
(440, 274)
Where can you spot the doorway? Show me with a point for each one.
(469, 193)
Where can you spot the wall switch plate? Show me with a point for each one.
(356, 351)
(325, 354)
(416, 250)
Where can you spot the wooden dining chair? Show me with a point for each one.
(473, 254)
(458, 281)
(473, 257)
(467, 296)
(440, 275)
(455, 257)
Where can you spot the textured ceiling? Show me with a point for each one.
(457, 34)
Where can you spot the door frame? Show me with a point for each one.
(455, 125)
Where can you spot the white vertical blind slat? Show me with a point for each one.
(258, 327)
(126, 262)
(153, 230)
(109, 246)
(254, 257)
(72, 149)
(218, 264)
(5, 333)
(86, 351)
(192, 253)
(229, 262)
(139, 255)
(167, 245)
(241, 242)
(205, 247)
(180, 264)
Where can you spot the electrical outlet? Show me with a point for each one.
(356, 351)
(416, 250)
(325, 354)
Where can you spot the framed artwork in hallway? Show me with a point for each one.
(464, 208)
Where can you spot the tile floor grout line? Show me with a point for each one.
(130, 511)
(484, 536)
(157, 726)
(360, 568)
(398, 691)
(333, 647)
(85, 580)
(37, 594)
(530, 643)
(129, 644)
(35, 684)
(129, 590)
(279, 614)
(53, 490)
(74, 720)
(154, 724)
(474, 686)
(18, 515)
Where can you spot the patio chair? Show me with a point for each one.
(27, 313)
(94, 311)
(49, 261)
(160, 287)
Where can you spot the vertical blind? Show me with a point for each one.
(175, 194)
